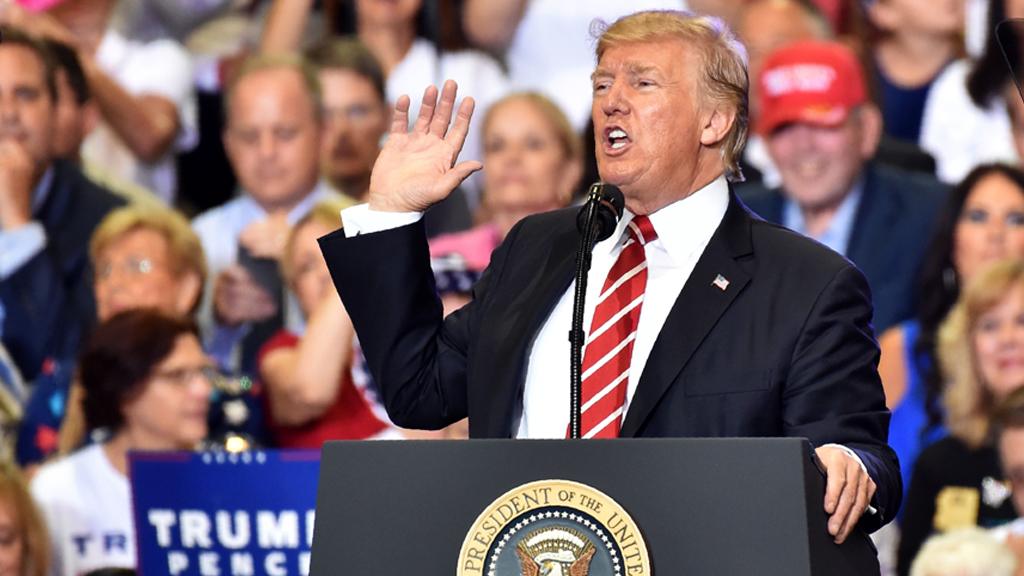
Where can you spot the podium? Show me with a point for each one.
(714, 506)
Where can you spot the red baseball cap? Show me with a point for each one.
(814, 81)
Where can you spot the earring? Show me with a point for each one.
(949, 279)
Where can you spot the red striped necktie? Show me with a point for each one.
(609, 345)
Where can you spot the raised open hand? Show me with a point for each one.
(417, 168)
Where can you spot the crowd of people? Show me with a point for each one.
(166, 167)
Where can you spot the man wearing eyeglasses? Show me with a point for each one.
(48, 210)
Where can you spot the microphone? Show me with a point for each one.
(596, 221)
(608, 202)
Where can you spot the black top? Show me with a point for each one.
(952, 486)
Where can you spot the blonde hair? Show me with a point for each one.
(568, 138)
(968, 403)
(724, 77)
(35, 544)
(327, 211)
(183, 246)
(965, 552)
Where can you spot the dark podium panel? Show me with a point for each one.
(704, 506)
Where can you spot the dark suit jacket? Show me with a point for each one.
(890, 234)
(48, 302)
(785, 350)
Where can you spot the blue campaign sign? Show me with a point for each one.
(214, 514)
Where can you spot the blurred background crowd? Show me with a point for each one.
(166, 167)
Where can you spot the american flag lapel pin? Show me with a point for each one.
(720, 282)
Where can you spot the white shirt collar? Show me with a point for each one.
(683, 224)
(253, 211)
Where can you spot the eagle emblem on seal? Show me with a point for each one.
(555, 551)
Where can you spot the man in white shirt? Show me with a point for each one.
(746, 329)
(273, 137)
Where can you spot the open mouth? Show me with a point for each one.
(616, 137)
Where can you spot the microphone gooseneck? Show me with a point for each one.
(596, 221)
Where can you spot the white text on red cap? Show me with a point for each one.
(798, 78)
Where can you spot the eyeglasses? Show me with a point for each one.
(184, 376)
(130, 266)
(354, 114)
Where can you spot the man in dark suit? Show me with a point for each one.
(746, 328)
(878, 216)
(48, 211)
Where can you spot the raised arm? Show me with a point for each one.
(304, 381)
(491, 24)
(286, 20)
(148, 124)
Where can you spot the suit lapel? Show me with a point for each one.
(697, 309)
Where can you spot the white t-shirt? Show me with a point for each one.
(959, 134)
(158, 68)
(88, 511)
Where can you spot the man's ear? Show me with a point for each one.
(717, 126)
(871, 125)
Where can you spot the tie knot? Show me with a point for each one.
(642, 230)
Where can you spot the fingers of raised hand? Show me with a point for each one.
(427, 107)
(443, 112)
(457, 135)
(460, 172)
(400, 119)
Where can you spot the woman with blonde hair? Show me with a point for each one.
(310, 394)
(957, 482)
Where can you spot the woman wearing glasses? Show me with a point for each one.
(147, 388)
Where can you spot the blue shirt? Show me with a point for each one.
(837, 234)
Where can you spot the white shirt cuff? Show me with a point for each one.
(360, 219)
(19, 246)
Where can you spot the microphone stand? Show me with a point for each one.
(589, 231)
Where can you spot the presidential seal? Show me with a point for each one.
(554, 528)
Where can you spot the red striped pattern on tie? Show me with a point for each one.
(609, 345)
